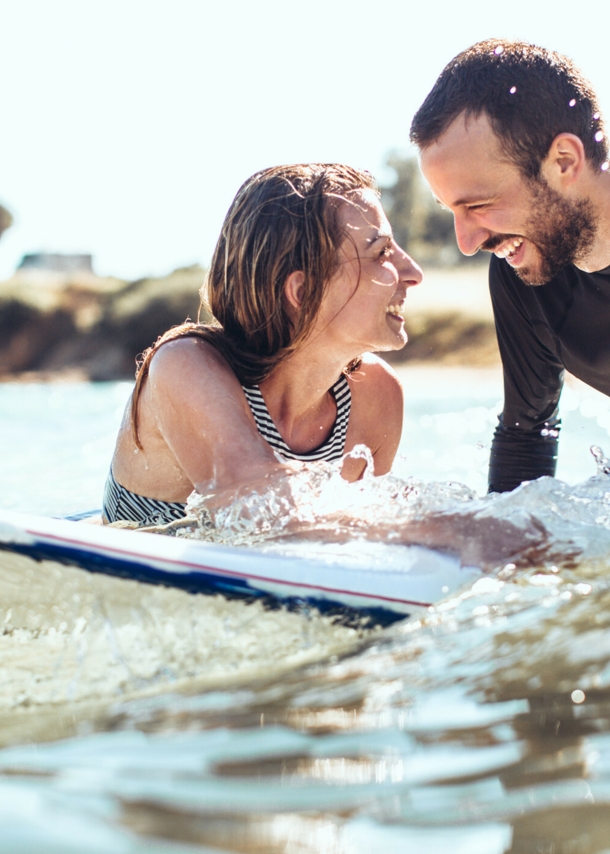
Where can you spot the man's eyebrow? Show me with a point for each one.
(467, 200)
(442, 204)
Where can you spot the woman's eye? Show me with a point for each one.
(386, 252)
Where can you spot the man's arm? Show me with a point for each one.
(526, 439)
(519, 455)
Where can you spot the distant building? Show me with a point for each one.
(54, 262)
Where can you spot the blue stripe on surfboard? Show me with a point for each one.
(195, 581)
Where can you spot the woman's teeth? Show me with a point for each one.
(394, 309)
(509, 248)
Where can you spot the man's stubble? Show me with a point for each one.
(562, 231)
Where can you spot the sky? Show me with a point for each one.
(127, 126)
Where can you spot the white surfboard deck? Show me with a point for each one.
(386, 591)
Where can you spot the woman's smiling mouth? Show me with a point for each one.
(395, 310)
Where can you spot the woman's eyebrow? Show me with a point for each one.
(382, 233)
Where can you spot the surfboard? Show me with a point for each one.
(382, 591)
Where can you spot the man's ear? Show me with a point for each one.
(294, 289)
(565, 162)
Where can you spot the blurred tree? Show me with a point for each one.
(401, 199)
(420, 225)
(6, 220)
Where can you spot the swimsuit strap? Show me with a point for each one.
(331, 449)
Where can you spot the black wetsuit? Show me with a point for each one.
(564, 324)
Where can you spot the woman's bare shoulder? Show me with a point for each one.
(377, 410)
(376, 389)
(189, 356)
(376, 379)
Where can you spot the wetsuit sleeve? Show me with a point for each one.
(526, 439)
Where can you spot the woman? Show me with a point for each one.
(305, 281)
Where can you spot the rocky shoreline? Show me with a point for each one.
(91, 328)
(86, 325)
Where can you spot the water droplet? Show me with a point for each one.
(548, 431)
(498, 50)
(136, 451)
(595, 117)
(599, 136)
(512, 90)
(480, 446)
(578, 696)
(603, 466)
(605, 166)
(572, 103)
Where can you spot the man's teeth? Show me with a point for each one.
(394, 309)
(509, 248)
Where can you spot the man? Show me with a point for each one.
(513, 143)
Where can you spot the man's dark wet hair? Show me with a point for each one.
(530, 95)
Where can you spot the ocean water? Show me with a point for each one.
(139, 719)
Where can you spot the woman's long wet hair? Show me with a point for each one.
(282, 220)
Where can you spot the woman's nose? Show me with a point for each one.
(410, 271)
(417, 274)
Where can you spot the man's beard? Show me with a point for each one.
(562, 231)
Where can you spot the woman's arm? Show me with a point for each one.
(200, 411)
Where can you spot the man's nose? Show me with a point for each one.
(470, 235)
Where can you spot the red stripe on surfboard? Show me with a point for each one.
(231, 572)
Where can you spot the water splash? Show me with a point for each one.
(603, 465)
(547, 520)
(317, 497)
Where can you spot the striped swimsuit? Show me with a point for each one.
(331, 449)
(120, 503)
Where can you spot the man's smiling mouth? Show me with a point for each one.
(509, 248)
